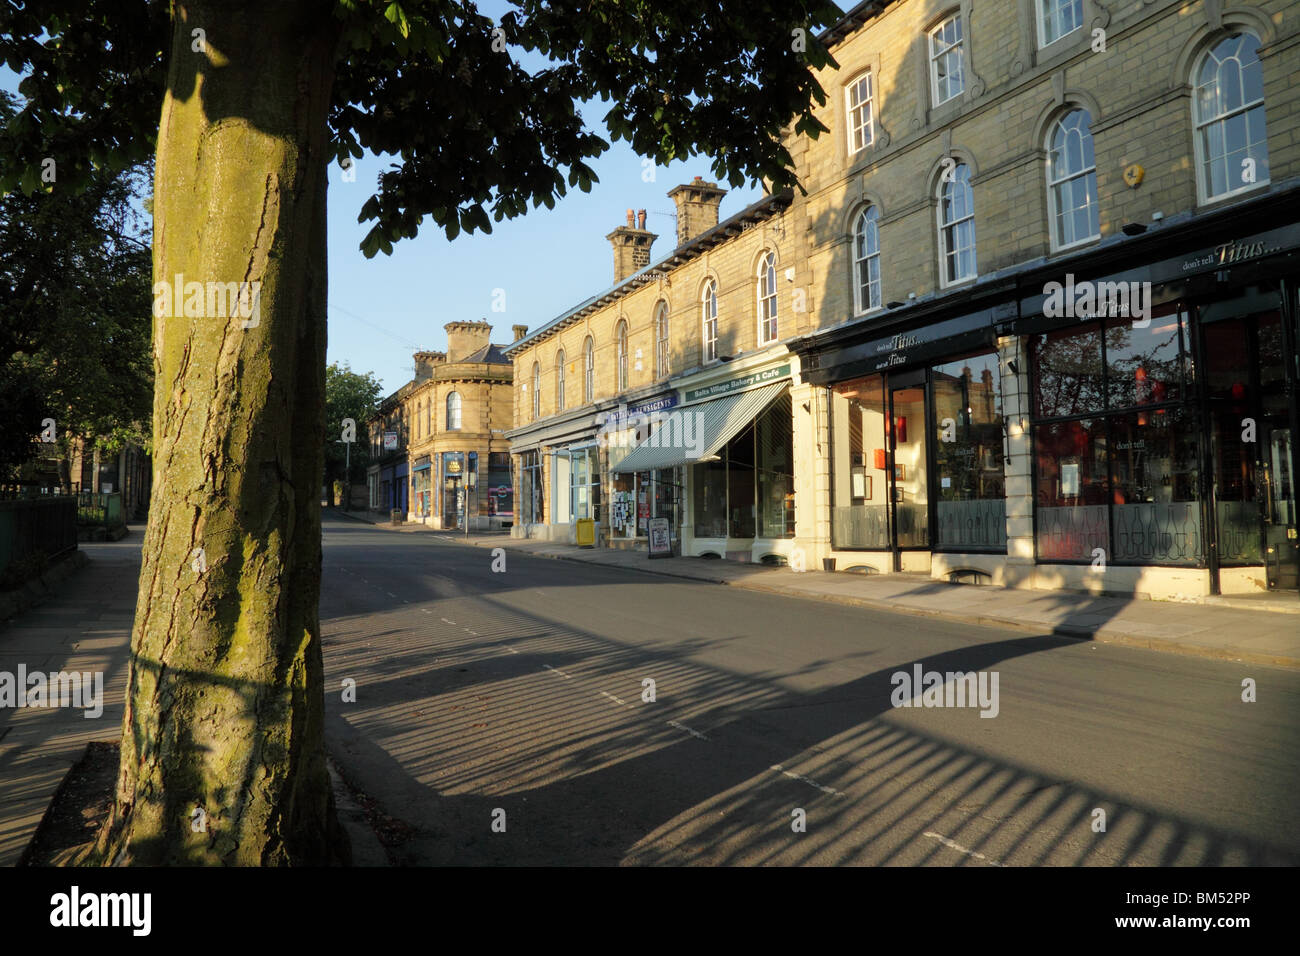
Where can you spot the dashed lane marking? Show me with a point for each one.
(556, 670)
(693, 733)
(952, 845)
(812, 783)
(617, 700)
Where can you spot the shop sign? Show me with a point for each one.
(738, 384)
(661, 545)
(1232, 252)
(390, 441)
(662, 403)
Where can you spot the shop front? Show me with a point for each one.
(1164, 443)
(637, 497)
(719, 466)
(915, 424)
(559, 468)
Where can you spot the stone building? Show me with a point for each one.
(459, 411)
(1033, 323)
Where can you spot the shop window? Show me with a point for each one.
(970, 486)
(1228, 105)
(640, 497)
(1068, 378)
(866, 260)
(1057, 18)
(1155, 512)
(562, 486)
(1072, 490)
(531, 497)
(500, 492)
(710, 499)
(1145, 365)
(1072, 180)
(947, 78)
(774, 470)
(584, 484)
(860, 489)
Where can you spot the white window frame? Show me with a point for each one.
(945, 226)
(559, 381)
(1055, 185)
(768, 317)
(588, 371)
(1200, 125)
(865, 214)
(1049, 11)
(662, 354)
(454, 417)
(621, 337)
(959, 45)
(860, 117)
(709, 319)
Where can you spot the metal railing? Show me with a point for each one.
(95, 507)
(36, 529)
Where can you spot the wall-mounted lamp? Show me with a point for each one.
(1013, 367)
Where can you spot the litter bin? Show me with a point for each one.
(398, 517)
(586, 533)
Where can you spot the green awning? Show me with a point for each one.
(696, 432)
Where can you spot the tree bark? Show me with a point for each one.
(223, 758)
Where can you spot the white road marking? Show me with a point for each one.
(390, 594)
(426, 610)
(812, 783)
(445, 621)
(961, 849)
(556, 670)
(468, 631)
(616, 700)
(693, 733)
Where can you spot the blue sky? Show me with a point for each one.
(383, 309)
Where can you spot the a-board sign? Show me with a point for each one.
(661, 545)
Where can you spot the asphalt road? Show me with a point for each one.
(513, 701)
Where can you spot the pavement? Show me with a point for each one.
(1261, 632)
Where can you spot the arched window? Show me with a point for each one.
(559, 381)
(622, 355)
(537, 390)
(661, 340)
(588, 371)
(767, 298)
(453, 411)
(1231, 145)
(866, 260)
(709, 319)
(1072, 180)
(956, 225)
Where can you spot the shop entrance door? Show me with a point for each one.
(451, 508)
(908, 472)
(1248, 362)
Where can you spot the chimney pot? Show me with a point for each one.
(631, 220)
(520, 331)
(640, 219)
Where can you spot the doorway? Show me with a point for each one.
(1249, 380)
(908, 477)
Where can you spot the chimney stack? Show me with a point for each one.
(697, 208)
(466, 338)
(520, 331)
(424, 363)
(631, 246)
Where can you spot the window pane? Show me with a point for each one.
(1068, 379)
(1071, 493)
(858, 442)
(1145, 364)
(775, 470)
(710, 493)
(1155, 476)
(970, 485)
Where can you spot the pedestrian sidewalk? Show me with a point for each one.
(1204, 630)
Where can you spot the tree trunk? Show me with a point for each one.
(223, 758)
